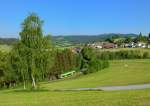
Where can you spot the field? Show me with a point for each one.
(5, 48)
(120, 72)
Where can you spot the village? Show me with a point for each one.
(116, 42)
(108, 45)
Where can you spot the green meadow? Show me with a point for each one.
(76, 53)
(5, 48)
(82, 98)
(120, 72)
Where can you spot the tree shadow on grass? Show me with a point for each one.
(31, 90)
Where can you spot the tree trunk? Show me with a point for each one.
(10, 84)
(24, 85)
(33, 82)
(4, 85)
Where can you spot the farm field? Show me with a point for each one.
(120, 72)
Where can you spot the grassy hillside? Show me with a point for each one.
(77, 39)
(5, 48)
(8, 41)
(121, 72)
(67, 40)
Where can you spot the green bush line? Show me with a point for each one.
(123, 54)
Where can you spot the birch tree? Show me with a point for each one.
(33, 51)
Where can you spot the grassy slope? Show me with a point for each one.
(119, 73)
(5, 48)
(83, 98)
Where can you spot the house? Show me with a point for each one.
(148, 46)
(98, 45)
(130, 45)
(76, 50)
(109, 45)
(141, 45)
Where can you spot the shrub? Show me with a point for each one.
(122, 54)
(91, 63)
(145, 55)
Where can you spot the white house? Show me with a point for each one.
(141, 45)
(148, 46)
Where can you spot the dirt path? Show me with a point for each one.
(129, 87)
(110, 88)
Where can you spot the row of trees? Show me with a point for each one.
(14, 67)
(123, 54)
(65, 60)
(3, 66)
(139, 38)
(31, 56)
(34, 59)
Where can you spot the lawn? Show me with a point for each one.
(82, 98)
(120, 72)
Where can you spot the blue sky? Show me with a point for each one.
(71, 17)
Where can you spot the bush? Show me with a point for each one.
(90, 62)
(145, 55)
(122, 54)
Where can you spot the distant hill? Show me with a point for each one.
(8, 41)
(77, 39)
(72, 39)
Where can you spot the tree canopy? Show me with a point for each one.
(32, 52)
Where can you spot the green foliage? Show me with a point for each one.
(128, 40)
(146, 55)
(90, 63)
(32, 55)
(7, 76)
(123, 54)
(119, 72)
(65, 60)
(2, 66)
